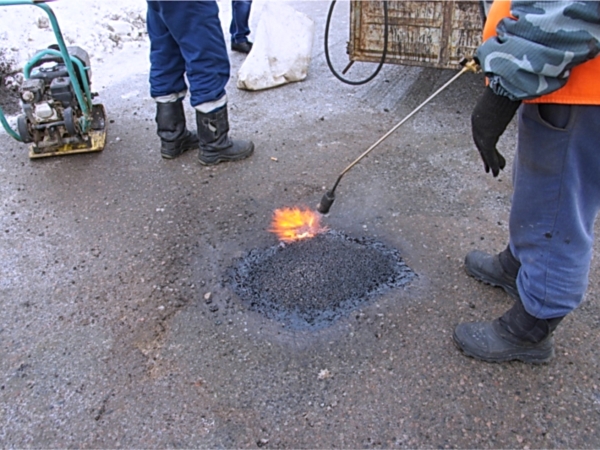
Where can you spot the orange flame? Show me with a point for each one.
(293, 224)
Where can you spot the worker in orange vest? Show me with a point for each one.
(541, 59)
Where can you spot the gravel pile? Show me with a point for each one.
(313, 282)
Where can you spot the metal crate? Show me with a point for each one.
(436, 33)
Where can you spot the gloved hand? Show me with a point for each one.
(489, 119)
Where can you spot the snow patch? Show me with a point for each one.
(99, 27)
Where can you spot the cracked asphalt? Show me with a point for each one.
(117, 330)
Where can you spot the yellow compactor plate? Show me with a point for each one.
(96, 142)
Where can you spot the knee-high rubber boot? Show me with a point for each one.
(215, 145)
(517, 335)
(175, 138)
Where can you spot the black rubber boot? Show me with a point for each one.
(175, 138)
(516, 335)
(242, 47)
(215, 145)
(497, 270)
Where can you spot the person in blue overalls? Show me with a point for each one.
(240, 28)
(186, 40)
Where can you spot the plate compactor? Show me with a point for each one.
(59, 117)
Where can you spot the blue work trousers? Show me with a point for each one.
(556, 199)
(186, 38)
(240, 16)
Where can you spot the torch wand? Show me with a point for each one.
(469, 65)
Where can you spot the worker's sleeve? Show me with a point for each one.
(535, 50)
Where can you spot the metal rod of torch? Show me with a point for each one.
(329, 197)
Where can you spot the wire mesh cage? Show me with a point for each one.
(436, 33)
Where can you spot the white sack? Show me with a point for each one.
(281, 51)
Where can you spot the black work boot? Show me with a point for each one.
(242, 47)
(215, 145)
(497, 270)
(516, 335)
(175, 138)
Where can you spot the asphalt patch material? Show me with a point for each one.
(313, 282)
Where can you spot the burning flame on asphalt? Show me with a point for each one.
(293, 224)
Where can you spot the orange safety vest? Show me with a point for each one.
(583, 86)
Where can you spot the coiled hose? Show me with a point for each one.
(383, 54)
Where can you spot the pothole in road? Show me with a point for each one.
(312, 283)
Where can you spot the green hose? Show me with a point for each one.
(85, 102)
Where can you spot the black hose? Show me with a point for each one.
(383, 54)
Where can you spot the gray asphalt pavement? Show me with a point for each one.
(117, 331)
